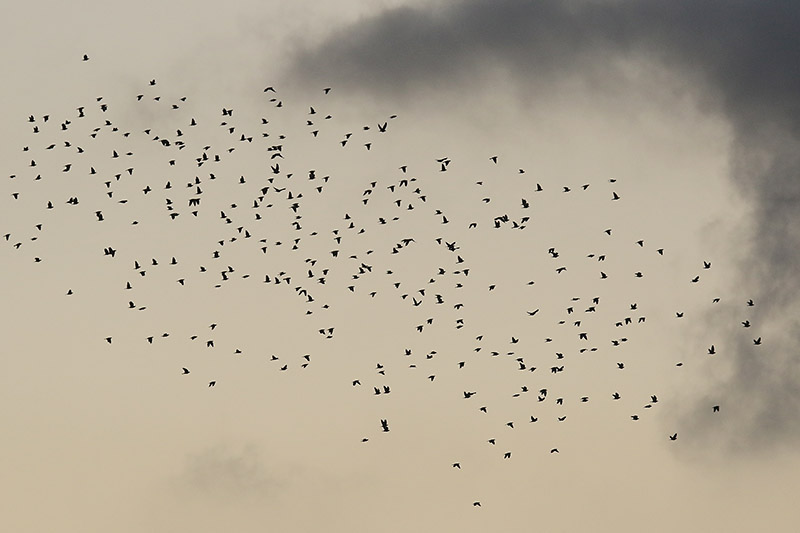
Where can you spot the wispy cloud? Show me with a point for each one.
(224, 473)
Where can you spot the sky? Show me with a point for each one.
(440, 211)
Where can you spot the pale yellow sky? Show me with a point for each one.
(105, 436)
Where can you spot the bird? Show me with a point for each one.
(258, 221)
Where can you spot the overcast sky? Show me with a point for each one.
(639, 146)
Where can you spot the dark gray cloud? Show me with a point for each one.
(747, 50)
(741, 59)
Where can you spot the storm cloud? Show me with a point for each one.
(740, 59)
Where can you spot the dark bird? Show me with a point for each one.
(385, 425)
(185, 370)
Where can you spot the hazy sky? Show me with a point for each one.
(458, 274)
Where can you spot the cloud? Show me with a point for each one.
(738, 57)
(226, 474)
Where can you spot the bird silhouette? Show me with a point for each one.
(403, 248)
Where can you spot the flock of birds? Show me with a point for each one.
(92, 157)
